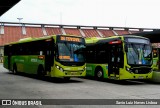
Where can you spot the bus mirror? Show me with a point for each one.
(126, 49)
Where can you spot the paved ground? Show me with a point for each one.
(29, 87)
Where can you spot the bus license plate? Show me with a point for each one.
(140, 77)
(73, 73)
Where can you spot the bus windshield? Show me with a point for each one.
(72, 52)
(139, 54)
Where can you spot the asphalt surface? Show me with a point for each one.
(23, 86)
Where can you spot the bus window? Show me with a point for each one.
(70, 52)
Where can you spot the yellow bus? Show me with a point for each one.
(119, 57)
(54, 56)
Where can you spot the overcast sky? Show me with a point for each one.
(120, 13)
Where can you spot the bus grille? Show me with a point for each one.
(141, 70)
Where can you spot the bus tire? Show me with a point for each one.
(99, 73)
(14, 69)
(40, 71)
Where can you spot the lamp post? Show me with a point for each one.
(19, 19)
(19, 23)
(61, 18)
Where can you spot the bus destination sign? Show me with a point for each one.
(71, 39)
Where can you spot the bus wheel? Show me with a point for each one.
(66, 78)
(14, 69)
(99, 74)
(40, 71)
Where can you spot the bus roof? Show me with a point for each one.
(135, 36)
(98, 40)
(30, 39)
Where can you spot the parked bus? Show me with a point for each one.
(119, 57)
(54, 56)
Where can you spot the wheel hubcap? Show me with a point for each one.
(99, 74)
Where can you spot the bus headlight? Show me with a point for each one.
(127, 68)
(61, 69)
(58, 67)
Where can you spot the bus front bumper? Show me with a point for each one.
(75, 73)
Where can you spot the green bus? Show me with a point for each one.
(55, 56)
(119, 57)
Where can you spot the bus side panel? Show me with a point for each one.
(105, 70)
(155, 63)
(5, 62)
(19, 61)
(90, 70)
(32, 64)
(27, 64)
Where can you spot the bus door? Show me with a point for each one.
(115, 58)
(49, 55)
